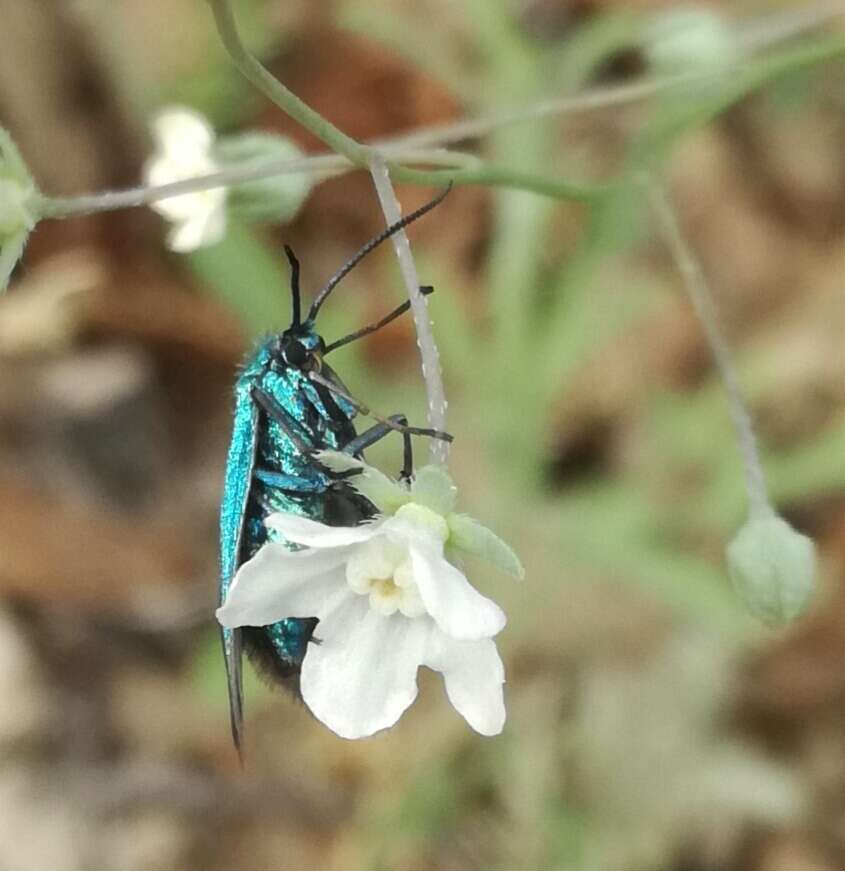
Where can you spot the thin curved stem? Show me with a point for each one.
(284, 98)
(464, 169)
(705, 307)
(429, 355)
(326, 165)
(410, 148)
(490, 175)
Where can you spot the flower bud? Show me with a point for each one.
(689, 39)
(772, 567)
(17, 210)
(277, 198)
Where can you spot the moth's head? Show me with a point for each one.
(299, 347)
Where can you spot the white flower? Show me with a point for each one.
(690, 38)
(184, 141)
(388, 601)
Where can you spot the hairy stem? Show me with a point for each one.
(704, 304)
(404, 150)
(429, 355)
(284, 98)
(464, 169)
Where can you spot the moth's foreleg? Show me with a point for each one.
(294, 484)
(379, 431)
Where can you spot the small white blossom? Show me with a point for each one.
(690, 38)
(184, 141)
(388, 601)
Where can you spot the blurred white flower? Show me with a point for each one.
(183, 149)
(689, 39)
(388, 600)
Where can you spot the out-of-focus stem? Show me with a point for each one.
(284, 98)
(705, 307)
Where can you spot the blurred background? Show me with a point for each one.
(652, 724)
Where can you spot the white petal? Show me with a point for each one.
(456, 606)
(165, 170)
(215, 223)
(198, 231)
(178, 127)
(301, 530)
(339, 462)
(474, 675)
(363, 675)
(384, 601)
(278, 583)
(410, 602)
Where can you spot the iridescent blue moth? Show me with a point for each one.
(288, 405)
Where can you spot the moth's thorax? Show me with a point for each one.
(319, 419)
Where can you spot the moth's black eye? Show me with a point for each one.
(295, 354)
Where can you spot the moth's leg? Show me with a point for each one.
(294, 484)
(389, 422)
(283, 418)
(379, 431)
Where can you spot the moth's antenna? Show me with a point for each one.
(365, 331)
(388, 422)
(294, 286)
(373, 243)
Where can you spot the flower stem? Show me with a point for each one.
(285, 99)
(363, 156)
(704, 304)
(490, 175)
(465, 169)
(429, 355)
(405, 149)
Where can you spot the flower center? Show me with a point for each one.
(419, 515)
(381, 569)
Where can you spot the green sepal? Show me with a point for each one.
(277, 198)
(18, 214)
(433, 488)
(469, 536)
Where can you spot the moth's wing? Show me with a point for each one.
(236, 487)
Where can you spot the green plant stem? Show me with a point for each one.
(285, 99)
(705, 308)
(468, 170)
(742, 83)
(325, 165)
(403, 150)
(490, 175)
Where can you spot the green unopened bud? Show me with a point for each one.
(773, 568)
(689, 39)
(17, 206)
(277, 198)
